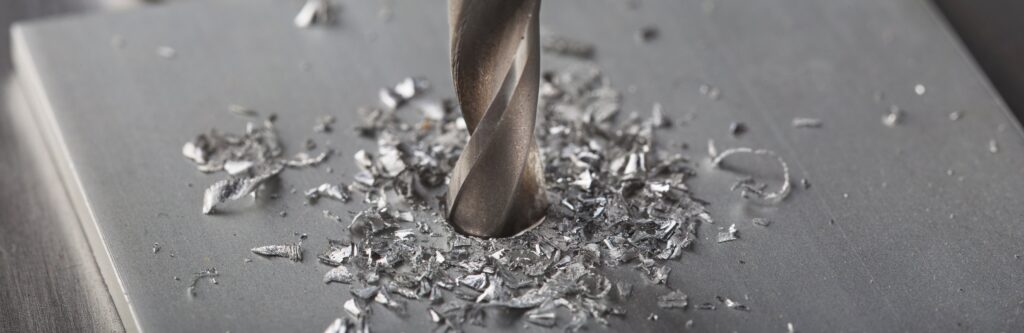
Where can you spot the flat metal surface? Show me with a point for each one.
(884, 240)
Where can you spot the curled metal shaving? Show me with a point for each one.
(327, 190)
(251, 158)
(766, 197)
(235, 188)
(210, 273)
(497, 185)
(211, 151)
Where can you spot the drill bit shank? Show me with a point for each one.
(497, 185)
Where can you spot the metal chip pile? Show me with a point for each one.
(249, 159)
(619, 199)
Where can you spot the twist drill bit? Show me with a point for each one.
(497, 185)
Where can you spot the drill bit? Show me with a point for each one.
(497, 185)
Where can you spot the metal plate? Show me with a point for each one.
(911, 248)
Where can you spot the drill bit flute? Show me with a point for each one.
(497, 185)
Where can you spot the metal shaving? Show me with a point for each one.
(727, 235)
(894, 117)
(748, 188)
(327, 190)
(303, 159)
(242, 111)
(584, 180)
(210, 273)
(806, 122)
(352, 308)
(389, 98)
(760, 221)
(390, 302)
(338, 274)
(237, 167)
(735, 305)
(337, 253)
(410, 86)
(673, 300)
(993, 146)
(434, 316)
(566, 46)
(290, 251)
(402, 92)
(234, 188)
(211, 151)
(313, 12)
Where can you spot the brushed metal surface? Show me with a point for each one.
(48, 279)
(885, 240)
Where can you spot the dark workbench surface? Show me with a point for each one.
(49, 281)
(932, 252)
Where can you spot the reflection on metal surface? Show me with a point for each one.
(496, 187)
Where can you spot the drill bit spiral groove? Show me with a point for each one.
(497, 185)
